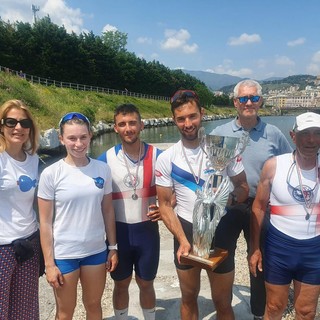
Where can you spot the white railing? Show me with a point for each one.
(82, 87)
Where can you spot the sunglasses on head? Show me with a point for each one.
(245, 99)
(72, 115)
(11, 123)
(183, 93)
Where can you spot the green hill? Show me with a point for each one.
(49, 103)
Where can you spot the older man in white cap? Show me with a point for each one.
(290, 184)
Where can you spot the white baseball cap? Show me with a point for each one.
(307, 120)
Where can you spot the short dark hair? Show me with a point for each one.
(183, 96)
(126, 108)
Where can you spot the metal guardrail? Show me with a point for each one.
(81, 87)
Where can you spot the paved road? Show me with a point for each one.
(167, 292)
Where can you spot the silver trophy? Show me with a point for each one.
(212, 198)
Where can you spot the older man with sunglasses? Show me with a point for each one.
(290, 184)
(265, 142)
(184, 168)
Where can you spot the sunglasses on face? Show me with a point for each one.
(71, 115)
(183, 93)
(11, 123)
(245, 99)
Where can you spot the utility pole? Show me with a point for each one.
(34, 10)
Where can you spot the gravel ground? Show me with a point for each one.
(167, 290)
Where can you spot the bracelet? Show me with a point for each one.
(114, 247)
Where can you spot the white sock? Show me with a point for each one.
(149, 314)
(121, 314)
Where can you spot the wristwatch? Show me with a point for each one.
(114, 247)
(234, 199)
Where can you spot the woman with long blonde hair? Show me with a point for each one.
(19, 234)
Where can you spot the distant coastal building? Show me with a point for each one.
(292, 97)
(317, 81)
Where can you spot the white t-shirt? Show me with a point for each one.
(77, 192)
(18, 180)
(172, 170)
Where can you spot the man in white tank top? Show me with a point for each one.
(290, 183)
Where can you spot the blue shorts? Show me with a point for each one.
(70, 265)
(288, 259)
(138, 248)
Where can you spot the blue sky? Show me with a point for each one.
(255, 39)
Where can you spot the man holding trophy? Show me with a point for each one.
(187, 169)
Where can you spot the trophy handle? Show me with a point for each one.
(202, 139)
(243, 142)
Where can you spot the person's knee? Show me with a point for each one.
(221, 289)
(122, 285)
(305, 314)
(275, 308)
(222, 301)
(65, 311)
(92, 305)
(189, 294)
(144, 285)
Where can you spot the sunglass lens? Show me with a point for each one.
(71, 115)
(246, 98)
(26, 123)
(11, 123)
(255, 98)
(243, 99)
(186, 93)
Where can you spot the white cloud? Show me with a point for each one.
(109, 27)
(144, 40)
(284, 61)
(58, 11)
(244, 39)
(296, 42)
(316, 57)
(178, 40)
(61, 14)
(314, 66)
(154, 56)
(227, 68)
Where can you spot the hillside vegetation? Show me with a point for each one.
(301, 81)
(48, 104)
(46, 50)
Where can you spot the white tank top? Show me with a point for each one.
(288, 207)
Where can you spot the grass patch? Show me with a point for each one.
(49, 103)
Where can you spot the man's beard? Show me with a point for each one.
(131, 142)
(189, 137)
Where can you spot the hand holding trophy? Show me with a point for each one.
(212, 198)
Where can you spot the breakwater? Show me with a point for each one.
(50, 144)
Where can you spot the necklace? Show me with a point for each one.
(196, 178)
(134, 179)
(307, 194)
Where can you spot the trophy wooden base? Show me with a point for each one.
(210, 263)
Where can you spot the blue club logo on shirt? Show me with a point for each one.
(99, 182)
(25, 183)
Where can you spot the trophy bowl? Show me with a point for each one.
(212, 199)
